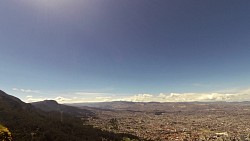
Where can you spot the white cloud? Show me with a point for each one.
(26, 90)
(137, 98)
(189, 97)
(59, 99)
(240, 95)
(104, 98)
(243, 95)
(31, 99)
(62, 99)
(15, 89)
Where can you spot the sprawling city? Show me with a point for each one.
(176, 121)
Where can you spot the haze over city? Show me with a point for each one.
(114, 50)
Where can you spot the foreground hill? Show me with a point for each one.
(26, 122)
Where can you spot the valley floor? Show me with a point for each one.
(178, 121)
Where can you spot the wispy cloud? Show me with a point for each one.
(62, 99)
(26, 90)
(30, 98)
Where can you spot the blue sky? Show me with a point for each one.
(58, 48)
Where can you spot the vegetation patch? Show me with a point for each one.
(5, 134)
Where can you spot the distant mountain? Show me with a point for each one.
(26, 122)
(115, 105)
(52, 105)
(105, 105)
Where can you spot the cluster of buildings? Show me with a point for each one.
(186, 122)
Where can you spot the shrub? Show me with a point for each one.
(5, 134)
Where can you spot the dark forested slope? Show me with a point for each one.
(51, 105)
(26, 122)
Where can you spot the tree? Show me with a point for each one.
(5, 134)
(114, 123)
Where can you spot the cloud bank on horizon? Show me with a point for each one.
(241, 95)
